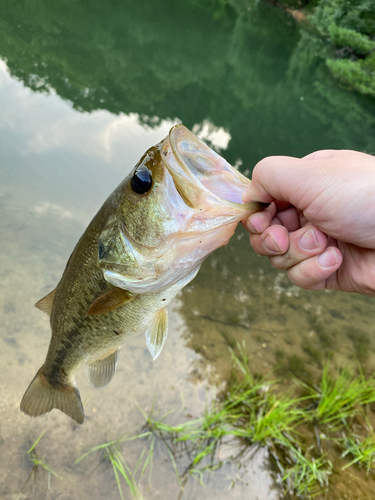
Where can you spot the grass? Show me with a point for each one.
(255, 412)
(339, 397)
(252, 413)
(38, 463)
(247, 416)
(196, 439)
(308, 476)
(111, 454)
(362, 451)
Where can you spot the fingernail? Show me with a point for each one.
(250, 227)
(308, 240)
(328, 258)
(271, 245)
(254, 223)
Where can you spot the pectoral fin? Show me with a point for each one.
(157, 333)
(109, 301)
(101, 371)
(45, 304)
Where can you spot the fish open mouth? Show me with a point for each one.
(200, 174)
(200, 204)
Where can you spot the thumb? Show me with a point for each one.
(277, 178)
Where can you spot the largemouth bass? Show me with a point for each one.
(149, 239)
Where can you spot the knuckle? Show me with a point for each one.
(282, 263)
(271, 259)
(364, 281)
(256, 244)
(307, 272)
(322, 154)
(313, 286)
(260, 167)
(304, 275)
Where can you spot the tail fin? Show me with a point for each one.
(41, 397)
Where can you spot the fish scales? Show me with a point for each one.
(149, 239)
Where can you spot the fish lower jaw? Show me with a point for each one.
(189, 252)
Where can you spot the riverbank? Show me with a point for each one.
(343, 35)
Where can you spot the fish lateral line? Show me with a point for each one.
(145, 230)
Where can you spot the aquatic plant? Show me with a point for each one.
(256, 412)
(39, 463)
(362, 451)
(246, 416)
(339, 397)
(251, 414)
(308, 476)
(111, 454)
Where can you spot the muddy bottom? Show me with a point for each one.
(236, 297)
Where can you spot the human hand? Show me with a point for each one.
(320, 226)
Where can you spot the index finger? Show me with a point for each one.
(276, 178)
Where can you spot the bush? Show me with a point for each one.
(349, 38)
(354, 74)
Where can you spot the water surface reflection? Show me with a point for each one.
(92, 86)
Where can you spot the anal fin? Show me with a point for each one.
(45, 304)
(157, 333)
(109, 301)
(101, 371)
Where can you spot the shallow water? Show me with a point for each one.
(84, 91)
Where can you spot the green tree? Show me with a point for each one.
(240, 65)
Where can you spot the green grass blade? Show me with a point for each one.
(37, 441)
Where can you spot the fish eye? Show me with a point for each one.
(142, 180)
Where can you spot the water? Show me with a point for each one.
(85, 89)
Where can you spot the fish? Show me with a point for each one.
(181, 202)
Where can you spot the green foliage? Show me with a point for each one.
(357, 15)
(353, 75)
(240, 68)
(362, 450)
(251, 414)
(296, 4)
(348, 30)
(339, 397)
(256, 413)
(351, 38)
(309, 476)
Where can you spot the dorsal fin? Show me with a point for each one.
(45, 304)
(109, 301)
